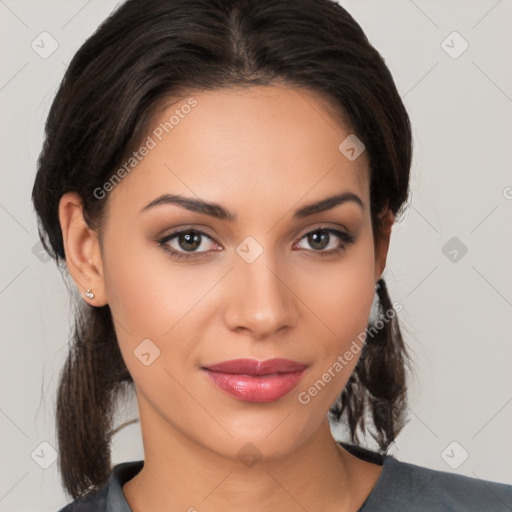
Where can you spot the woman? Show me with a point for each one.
(220, 179)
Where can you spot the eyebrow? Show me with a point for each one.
(219, 212)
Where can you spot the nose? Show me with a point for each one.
(261, 302)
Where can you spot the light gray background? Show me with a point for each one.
(456, 314)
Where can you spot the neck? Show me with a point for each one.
(180, 474)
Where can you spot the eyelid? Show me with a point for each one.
(324, 227)
(185, 229)
(344, 236)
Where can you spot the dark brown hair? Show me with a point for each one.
(148, 51)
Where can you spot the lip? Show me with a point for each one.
(250, 380)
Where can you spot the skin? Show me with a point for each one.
(261, 152)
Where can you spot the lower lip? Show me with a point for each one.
(265, 388)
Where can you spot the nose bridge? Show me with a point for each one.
(262, 303)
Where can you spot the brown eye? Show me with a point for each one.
(184, 241)
(321, 238)
(189, 241)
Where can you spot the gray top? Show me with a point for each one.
(400, 487)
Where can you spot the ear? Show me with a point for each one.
(382, 242)
(82, 249)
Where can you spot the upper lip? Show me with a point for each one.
(254, 367)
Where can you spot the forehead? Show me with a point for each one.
(257, 143)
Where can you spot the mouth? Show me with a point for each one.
(250, 380)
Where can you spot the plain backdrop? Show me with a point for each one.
(450, 257)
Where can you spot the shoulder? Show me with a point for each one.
(417, 488)
(110, 497)
(93, 501)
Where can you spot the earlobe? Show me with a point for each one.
(382, 242)
(81, 246)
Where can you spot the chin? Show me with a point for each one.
(263, 440)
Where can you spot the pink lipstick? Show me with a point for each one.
(256, 381)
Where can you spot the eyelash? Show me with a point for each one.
(346, 238)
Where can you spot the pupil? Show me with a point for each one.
(314, 239)
(190, 238)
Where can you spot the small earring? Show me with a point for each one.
(89, 294)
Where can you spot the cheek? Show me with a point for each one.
(345, 292)
(147, 305)
(152, 298)
(342, 299)
(129, 283)
(147, 293)
(140, 303)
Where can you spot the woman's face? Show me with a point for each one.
(274, 281)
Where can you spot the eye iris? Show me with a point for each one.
(190, 238)
(318, 237)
